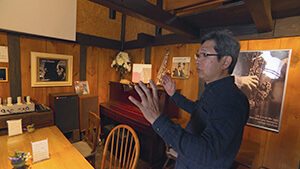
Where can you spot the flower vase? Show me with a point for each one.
(18, 163)
(121, 75)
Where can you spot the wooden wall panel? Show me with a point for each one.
(152, 1)
(271, 143)
(26, 46)
(92, 69)
(254, 134)
(67, 49)
(105, 72)
(135, 26)
(189, 87)
(40, 94)
(137, 56)
(283, 147)
(244, 45)
(4, 86)
(93, 19)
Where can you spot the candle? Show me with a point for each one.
(19, 100)
(28, 99)
(9, 100)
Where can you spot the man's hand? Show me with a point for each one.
(250, 81)
(168, 84)
(150, 101)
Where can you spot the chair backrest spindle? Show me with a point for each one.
(124, 148)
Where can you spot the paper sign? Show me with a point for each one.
(40, 150)
(14, 127)
(4, 54)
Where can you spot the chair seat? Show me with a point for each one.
(83, 148)
(172, 152)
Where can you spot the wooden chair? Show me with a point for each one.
(124, 147)
(171, 155)
(88, 145)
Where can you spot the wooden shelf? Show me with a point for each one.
(39, 119)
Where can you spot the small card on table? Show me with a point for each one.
(14, 127)
(40, 150)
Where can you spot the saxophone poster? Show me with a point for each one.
(262, 76)
(181, 67)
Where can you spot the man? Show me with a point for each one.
(213, 135)
(61, 70)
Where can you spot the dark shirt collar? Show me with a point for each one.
(223, 81)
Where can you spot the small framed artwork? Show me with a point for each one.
(141, 72)
(49, 69)
(82, 87)
(3, 74)
(181, 67)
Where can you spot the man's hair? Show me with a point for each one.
(226, 45)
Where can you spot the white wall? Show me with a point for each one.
(50, 18)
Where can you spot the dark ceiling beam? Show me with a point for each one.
(90, 40)
(287, 8)
(260, 11)
(143, 10)
(230, 14)
(145, 40)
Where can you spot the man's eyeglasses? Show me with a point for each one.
(204, 55)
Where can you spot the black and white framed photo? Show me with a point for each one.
(262, 76)
(3, 74)
(51, 69)
(181, 67)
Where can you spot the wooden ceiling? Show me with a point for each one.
(192, 18)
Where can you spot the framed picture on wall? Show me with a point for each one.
(141, 72)
(3, 74)
(49, 69)
(181, 67)
(262, 76)
(82, 87)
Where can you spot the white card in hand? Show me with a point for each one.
(40, 150)
(14, 127)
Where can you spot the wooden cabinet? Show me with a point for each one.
(39, 119)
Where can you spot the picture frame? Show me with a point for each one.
(181, 67)
(141, 72)
(48, 69)
(3, 74)
(262, 75)
(82, 87)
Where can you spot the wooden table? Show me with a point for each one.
(63, 155)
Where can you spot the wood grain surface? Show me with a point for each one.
(62, 153)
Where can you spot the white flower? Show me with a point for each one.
(113, 63)
(122, 62)
(129, 68)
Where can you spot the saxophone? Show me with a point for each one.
(162, 70)
(264, 86)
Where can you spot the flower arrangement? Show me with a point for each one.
(30, 128)
(19, 158)
(122, 62)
